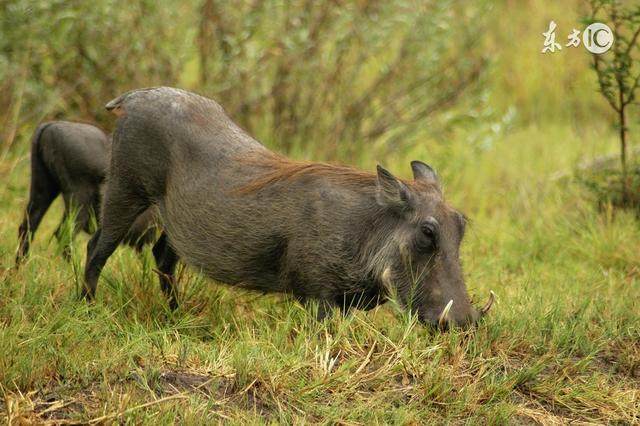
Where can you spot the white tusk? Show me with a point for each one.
(492, 298)
(443, 319)
(386, 279)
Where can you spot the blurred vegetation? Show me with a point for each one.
(65, 59)
(347, 81)
(330, 78)
(605, 186)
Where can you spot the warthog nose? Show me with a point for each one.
(447, 319)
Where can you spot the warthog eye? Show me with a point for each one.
(429, 237)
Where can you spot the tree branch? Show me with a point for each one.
(602, 83)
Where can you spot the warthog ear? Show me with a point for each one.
(424, 172)
(391, 192)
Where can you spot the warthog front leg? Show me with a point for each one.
(121, 208)
(166, 260)
(59, 234)
(84, 201)
(321, 308)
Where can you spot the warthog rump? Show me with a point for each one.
(247, 217)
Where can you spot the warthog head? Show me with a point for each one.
(417, 253)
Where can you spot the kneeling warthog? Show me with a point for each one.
(250, 218)
(71, 159)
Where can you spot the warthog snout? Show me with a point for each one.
(445, 321)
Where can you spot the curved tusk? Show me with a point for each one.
(443, 319)
(492, 298)
(386, 279)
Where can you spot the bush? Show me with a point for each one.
(606, 186)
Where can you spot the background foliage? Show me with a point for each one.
(344, 74)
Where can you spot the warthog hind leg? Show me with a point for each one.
(44, 189)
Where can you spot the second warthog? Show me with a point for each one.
(71, 159)
(250, 218)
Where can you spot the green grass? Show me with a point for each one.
(562, 344)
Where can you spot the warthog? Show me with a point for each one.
(72, 159)
(250, 218)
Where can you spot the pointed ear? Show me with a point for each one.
(390, 191)
(424, 172)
